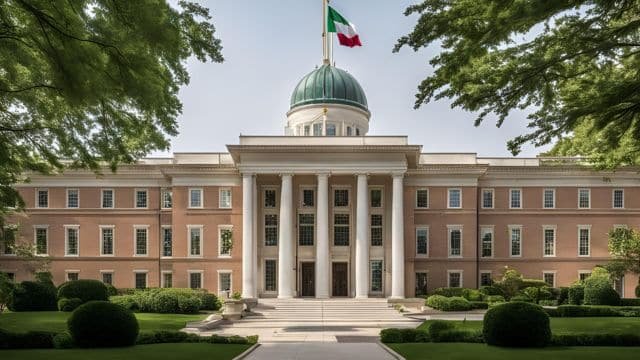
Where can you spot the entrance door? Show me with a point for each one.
(308, 277)
(340, 275)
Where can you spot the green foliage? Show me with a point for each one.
(189, 305)
(526, 283)
(103, 324)
(517, 324)
(595, 340)
(510, 283)
(449, 292)
(437, 327)
(479, 305)
(111, 290)
(472, 295)
(63, 340)
(630, 302)
(33, 296)
(538, 293)
(494, 299)
(578, 76)
(563, 295)
(624, 247)
(491, 290)
(390, 336)
(210, 302)
(521, 298)
(85, 290)
(637, 291)
(92, 81)
(576, 294)
(126, 301)
(236, 295)
(6, 289)
(69, 305)
(168, 301)
(28, 340)
(586, 311)
(598, 289)
(454, 303)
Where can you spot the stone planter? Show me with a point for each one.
(232, 309)
(250, 304)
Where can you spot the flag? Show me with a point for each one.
(345, 30)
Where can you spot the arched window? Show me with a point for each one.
(349, 131)
(357, 132)
(331, 130)
(307, 130)
(317, 129)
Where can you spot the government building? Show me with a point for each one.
(324, 211)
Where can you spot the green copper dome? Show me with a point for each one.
(328, 84)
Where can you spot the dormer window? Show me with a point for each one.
(317, 129)
(349, 131)
(331, 130)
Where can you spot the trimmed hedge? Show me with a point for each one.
(563, 295)
(437, 327)
(33, 296)
(28, 340)
(533, 283)
(576, 294)
(165, 337)
(443, 303)
(449, 292)
(494, 299)
(168, 301)
(390, 336)
(491, 290)
(69, 305)
(103, 324)
(86, 290)
(517, 324)
(444, 333)
(598, 291)
(126, 301)
(596, 340)
(481, 305)
(593, 311)
(63, 341)
(521, 298)
(630, 302)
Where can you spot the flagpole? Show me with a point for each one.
(325, 42)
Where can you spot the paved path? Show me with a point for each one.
(320, 351)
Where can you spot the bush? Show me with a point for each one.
(548, 302)
(517, 324)
(521, 298)
(165, 337)
(472, 295)
(637, 291)
(103, 324)
(189, 305)
(630, 302)
(443, 303)
(482, 305)
(210, 302)
(69, 305)
(461, 336)
(595, 311)
(538, 293)
(596, 340)
(533, 283)
(437, 327)
(494, 299)
(598, 291)
(111, 290)
(63, 340)
(563, 295)
(33, 296)
(28, 340)
(126, 301)
(449, 292)
(491, 290)
(576, 294)
(165, 303)
(390, 336)
(86, 290)
(168, 301)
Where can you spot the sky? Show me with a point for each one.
(270, 45)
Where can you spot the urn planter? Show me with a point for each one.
(232, 309)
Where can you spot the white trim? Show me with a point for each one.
(613, 198)
(418, 228)
(425, 181)
(189, 228)
(263, 192)
(163, 192)
(555, 237)
(67, 198)
(101, 235)
(162, 230)
(554, 272)
(493, 198)
(207, 180)
(491, 230)
(264, 275)
(102, 272)
(135, 198)
(580, 272)
(519, 190)
(113, 198)
(225, 271)
(163, 283)
(67, 272)
(553, 191)
(37, 193)
(450, 228)
(382, 202)
(135, 240)
(301, 206)
(66, 240)
(189, 198)
(382, 283)
(461, 272)
(333, 196)
(589, 197)
(189, 272)
(146, 277)
(588, 228)
(220, 190)
(449, 190)
(35, 238)
(416, 198)
(220, 228)
(510, 233)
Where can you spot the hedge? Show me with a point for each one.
(446, 334)
(596, 340)
(166, 337)
(103, 324)
(443, 303)
(449, 292)
(33, 296)
(630, 302)
(593, 311)
(491, 290)
(68, 305)
(28, 340)
(576, 294)
(598, 291)
(517, 324)
(168, 301)
(85, 290)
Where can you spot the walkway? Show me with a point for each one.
(320, 351)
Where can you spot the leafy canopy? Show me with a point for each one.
(624, 246)
(92, 82)
(576, 63)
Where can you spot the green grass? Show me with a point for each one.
(140, 352)
(459, 351)
(591, 325)
(56, 321)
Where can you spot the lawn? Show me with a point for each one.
(56, 321)
(459, 351)
(140, 352)
(590, 325)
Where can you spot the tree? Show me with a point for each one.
(574, 63)
(6, 290)
(624, 247)
(88, 83)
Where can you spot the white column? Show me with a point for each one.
(397, 239)
(362, 245)
(322, 238)
(285, 247)
(254, 202)
(248, 262)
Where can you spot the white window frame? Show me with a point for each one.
(511, 228)
(189, 228)
(190, 204)
(428, 198)
(189, 272)
(224, 271)
(163, 193)
(78, 194)
(553, 191)
(555, 239)
(449, 190)
(264, 276)
(113, 199)
(163, 282)
(381, 189)
(162, 231)
(376, 211)
(67, 272)
(483, 230)
(37, 204)
(580, 272)
(333, 197)
(511, 192)
(301, 202)
(461, 272)
(613, 198)
(588, 228)
(135, 198)
(484, 272)
(555, 277)
(35, 238)
(66, 240)
(135, 240)
(450, 229)
(264, 198)
(220, 228)
(220, 204)
(113, 232)
(418, 228)
(146, 278)
(102, 272)
(589, 197)
(493, 198)
(371, 291)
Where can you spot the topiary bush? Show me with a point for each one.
(533, 283)
(598, 289)
(630, 302)
(189, 305)
(472, 295)
(521, 298)
(111, 290)
(538, 293)
(517, 324)
(491, 290)
(86, 290)
(63, 340)
(103, 324)
(576, 294)
(210, 302)
(168, 301)
(28, 340)
(33, 296)
(443, 303)
(68, 305)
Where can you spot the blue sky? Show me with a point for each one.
(270, 45)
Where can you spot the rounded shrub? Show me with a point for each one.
(103, 324)
(521, 298)
(575, 294)
(189, 305)
(517, 324)
(126, 301)
(63, 340)
(111, 290)
(86, 290)
(494, 299)
(69, 305)
(210, 302)
(33, 296)
(472, 295)
(491, 290)
(598, 289)
(166, 303)
(436, 301)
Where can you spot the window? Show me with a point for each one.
(42, 240)
(141, 280)
(271, 230)
(225, 240)
(225, 198)
(195, 240)
(167, 199)
(376, 276)
(106, 240)
(270, 198)
(224, 281)
(375, 198)
(376, 230)
(107, 278)
(584, 198)
(73, 275)
(485, 278)
(167, 279)
(307, 130)
(317, 129)
(549, 245)
(487, 198)
(73, 198)
(308, 198)
(454, 278)
(357, 131)
(331, 130)
(195, 279)
(486, 234)
(306, 229)
(549, 199)
(341, 197)
(618, 285)
(141, 237)
(583, 274)
(515, 234)
(349, 131)
(455, 198)
(195, 198)
(618, 199)
(71, 240)
(549, 277)
(141, 199)
(515, 199)
(455, 241)
(422, 241)
(421, 283)
(584, 240)
(42, 198)
(341, 229)
(9, 239)
(270, 275)
(167, 241)
(107, 199)
(422, 198)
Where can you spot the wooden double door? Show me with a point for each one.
(307, 279)
(340, 279)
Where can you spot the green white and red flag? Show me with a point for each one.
(346, 31)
